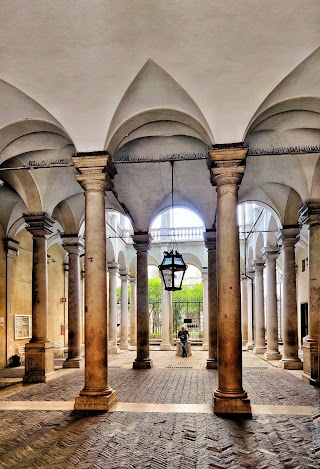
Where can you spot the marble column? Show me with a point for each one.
(210, 237)
(310, 214)
(259, 327)
(287, 239)
(250, 277)
(165, 313)
(227, 164)
(94, 175)
(142, 245)
(74, 245)
(270, 255)
(205, 344)
(244, 309)
(40, 350)
(113, 270)
(11, 247)
(133, 312)
(124, 344)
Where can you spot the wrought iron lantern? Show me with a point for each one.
(172, 270)
(173, 267)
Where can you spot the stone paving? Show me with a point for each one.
(69, 439)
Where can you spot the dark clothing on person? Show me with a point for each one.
(183, 337)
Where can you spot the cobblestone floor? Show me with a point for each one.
(69, 439)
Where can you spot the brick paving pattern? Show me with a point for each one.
(68, 439)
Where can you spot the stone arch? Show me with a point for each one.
(259, 244)
(122, 260)
(110, 251)
(271, 239)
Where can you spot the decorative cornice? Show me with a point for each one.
(11, 246)
(73, 244)
(301, 149)
(288, 236)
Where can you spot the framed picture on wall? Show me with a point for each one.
(22, 326)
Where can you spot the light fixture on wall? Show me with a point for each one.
(173, 267)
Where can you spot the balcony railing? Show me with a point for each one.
(165, 235)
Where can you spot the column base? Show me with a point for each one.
(165, 347)
(73, 363)
(95, 402)
(310, 361)
(114, 350)
(249, 346)
(272, 355)
(142, 364)
(133, 343)
(244, 343)
(291, 364)
(231, 406)
(212, 364)
(124, 346)
(205, 346)
(39, 362)
(259, 350)
(132, 347)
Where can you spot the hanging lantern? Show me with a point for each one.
(172, 270)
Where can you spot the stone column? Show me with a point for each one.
(142, 245)
(11, 247)
(133, 312)
(124, 344)
(259, 329)
(205, 345)
(171, 339)
(270, 255)
(113, 269)
(210, 237)
(287, 239)
(250, 276)
(74, 245)
(40, 350)
(165, 313)
(95, 176)
(244, 309)
(227, 168)
(310, 214)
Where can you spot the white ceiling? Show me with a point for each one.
(77, 57)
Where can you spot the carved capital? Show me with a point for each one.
(309, 213)
(113, 268)
(227, 164)
(95, 171)
(73, 243)
(141, 242)
(288, 236)
(270, 253)
(258, 265)
(124, 275)
(38, 224)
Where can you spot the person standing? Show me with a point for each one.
(183, 336)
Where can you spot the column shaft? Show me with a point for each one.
(250, 274)
(287, 239)
(270, 255)
(205, 345)
(259, 328)
(11, 247)
(227, 174)
(124, 345)
(244, 310)
(141, 244)
(96, 394)
(113, 269)
(165, 313)
(133, 312)
(210, 242)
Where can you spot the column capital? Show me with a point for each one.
(132, 280)
(73, 243)
(288, 236)
(141, 241)
(38, 224)
(124, 274)
(95, 170)
(258, 265)
(226, 163)
(204, 273)
(270, 253)
(11, 247)
(309, 213)
(210, 239)
(113, 268)
(250, 273)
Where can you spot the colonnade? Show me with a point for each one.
(228, 321)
